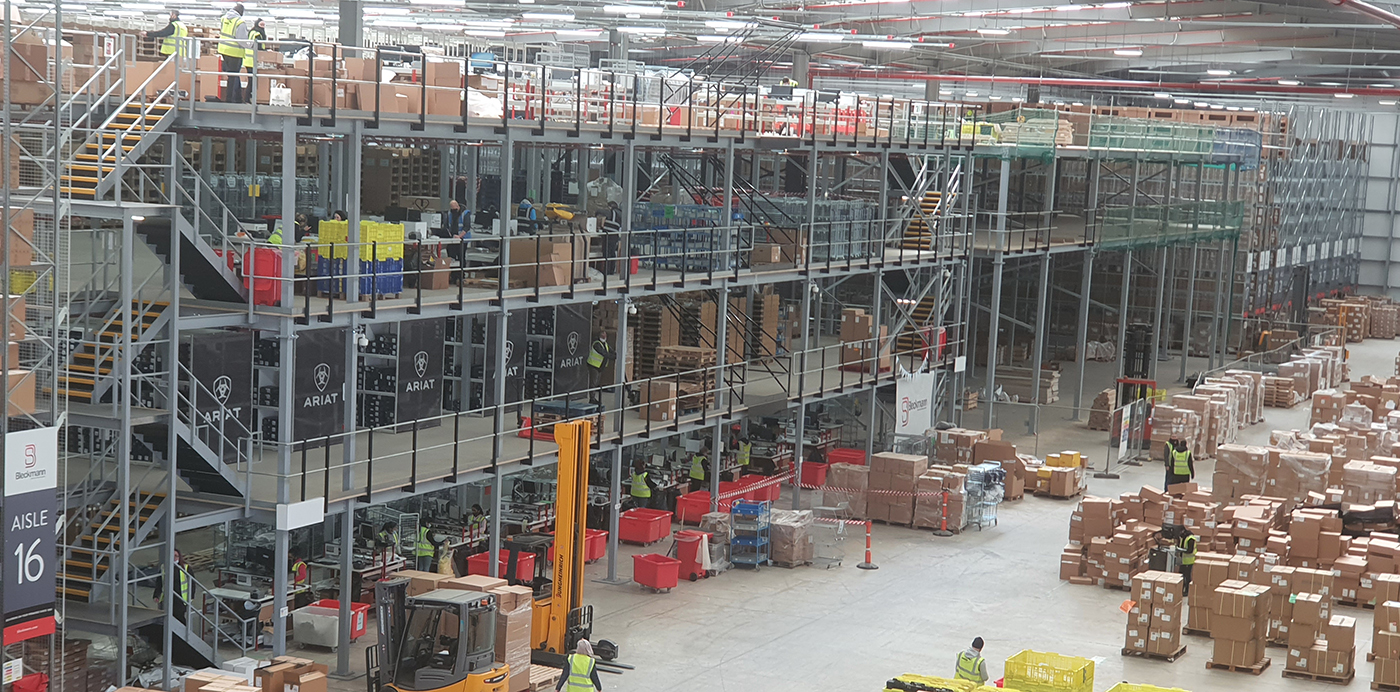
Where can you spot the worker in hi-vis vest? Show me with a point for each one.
(174, 37)
(640, 488)
(600, 355)
(233, 42)
(581, 675)
(700, 468)
(1187, 544)
(1181, 466)
(424, 550)
(971, 665)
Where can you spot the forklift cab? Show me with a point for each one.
(440, 641)
(537, 544)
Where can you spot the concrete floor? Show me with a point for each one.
(847, 629)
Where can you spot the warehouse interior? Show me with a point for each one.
(441, 345)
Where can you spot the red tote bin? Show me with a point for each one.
(656, 571)
(813, 474)
(846, 455)
(524, 565)
(688, 552)
(595, 545)
(690, 507)
(358, 613)
(642, 526)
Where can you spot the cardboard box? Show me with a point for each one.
(475, 582)
(422, 582)
(1236, 653)
(1387, 671)
(1340, 633)
(510, 598)
(20, 388)
(1385, 644)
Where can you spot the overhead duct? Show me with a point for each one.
(1369, 10)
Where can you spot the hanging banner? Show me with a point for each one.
(515, 358)
(31, 515)
(420, 370)
(914, 399)
(319, 384)
(222, 363)
(573, 334)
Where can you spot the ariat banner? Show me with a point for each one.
(319, 385)
(222, 365)
(420, 369)
(573, 333)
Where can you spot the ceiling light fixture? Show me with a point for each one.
(1383, 85)
(578, 33)
(1181, 100)
(649, 10)
(1160, 95)
(994, 32)
(820, 37)
(1344, 95)
(1289, 82)
(717, 38)
(1219, 73)
(1387, 103)
(729, 24)
(887, 45)
(1128, 52)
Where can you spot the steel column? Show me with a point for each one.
(1123, 310)
(1037, 358)
(1082, 334)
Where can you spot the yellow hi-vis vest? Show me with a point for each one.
(1188, 550)
(425, 544)
(639, 485)
(745, 451)
(969, 667)
(175, 41)
(183, 583)
(697, 467)
(250, 53)
(580, 674)
(228, 37)
(1181, 462)
(301, 574)
(595, 354)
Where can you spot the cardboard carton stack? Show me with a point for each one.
(1366, 482)
(284, 674)
(1112, 562)
(1240, 470)
(1154, 623)
(1292, 475)
(892, 479)
(1173, 422)
(848, 483)
(955, 445)
(1320, 644)
(858, 339)
(1101, 414)
(929, 489)
(792, 537)
(1384, 321)
(1062, 475)
(1211, 570)
(1239, 624)
(514, 612)
(1385, 645)
(1327, 406)
(1279, 579)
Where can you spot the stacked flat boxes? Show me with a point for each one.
(1385, 645)
(1101, 413)
(1155, 621)
(1319, 642)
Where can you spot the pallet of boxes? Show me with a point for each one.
(1156, 616)
(848, 489)
(892, 482)
(1239, 624)
(1385, 647)
(1061, 476)
(859, 341)
(1321, 645)
(283, 674)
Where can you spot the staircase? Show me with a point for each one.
(919, 234)
(86, 378)
(205, 272)
(915, 336)
(118, 142)
(88, 561)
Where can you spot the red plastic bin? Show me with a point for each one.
(655, 571)
(263, 262)
(767, 493)
(846, 455)
(642, 526)
(524, 565)
(595, 545)
(358, 613)
(813, 474)
(688, 552)
(691, 506)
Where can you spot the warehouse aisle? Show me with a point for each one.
(844, 629)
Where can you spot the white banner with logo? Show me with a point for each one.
(914, 403)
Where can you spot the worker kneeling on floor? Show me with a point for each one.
(971, 665)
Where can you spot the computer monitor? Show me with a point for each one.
(395, 215)
(780, 91)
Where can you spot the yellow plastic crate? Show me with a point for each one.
(1134, 687)
(1036, 671)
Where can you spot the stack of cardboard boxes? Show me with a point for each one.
(1062, 475)
(1384, 321)
(1385, 645)
(1101, 413)
(1320, 644)
(858, 342)
(1366, 482)
(849, 484)
(892, 482)
(1155, 620)
(658, 399)
(930, 489)
(1327, 406)
(955, 445)
(285, 674)
(1239, 625)
(514, 613)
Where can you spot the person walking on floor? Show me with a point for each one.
(1187, 544)
(1181, 466)
(174, 37)
(233, 41)
(581, 675)
(971, 665)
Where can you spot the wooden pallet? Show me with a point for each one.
(789, 565)
(1047, 495)
(543, 677)
(1331, 679)
(1195, 632)
(1255, 669)
(1160, 657)
(1382, 687)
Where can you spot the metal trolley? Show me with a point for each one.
(749, 543)
(985, 490)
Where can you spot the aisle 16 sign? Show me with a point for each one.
(31, 479)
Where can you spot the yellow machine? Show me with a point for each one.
(555, 210)
(560, 618)
(440, 641)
